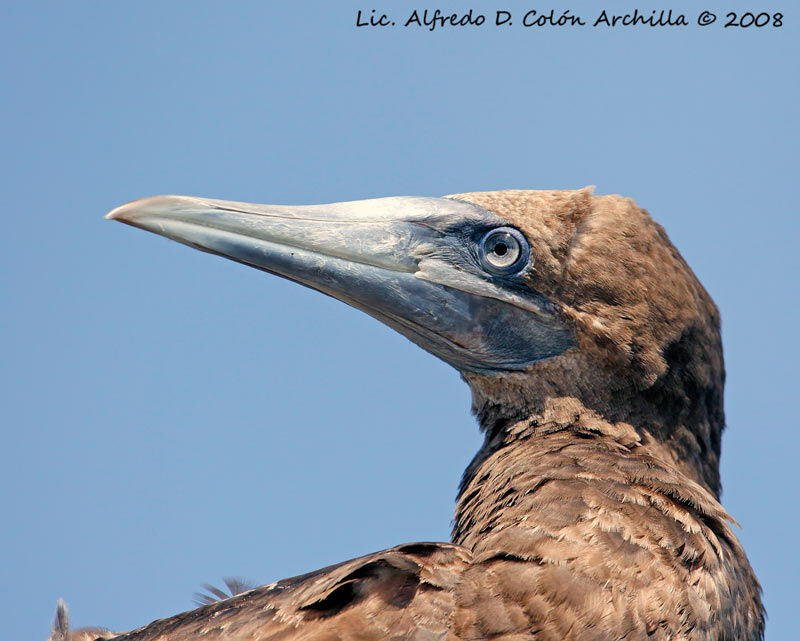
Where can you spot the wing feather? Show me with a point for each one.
(404, 592)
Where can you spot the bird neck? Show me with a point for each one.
(595, 512)
(677, 414)
(575, 450)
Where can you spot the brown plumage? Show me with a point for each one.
(592, 510)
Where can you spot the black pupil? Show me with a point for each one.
(500, 249)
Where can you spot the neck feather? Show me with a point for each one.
(604, 508)
(566, 443)
(678, 414)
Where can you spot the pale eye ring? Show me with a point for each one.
(504, 250)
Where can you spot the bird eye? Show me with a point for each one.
(504, 250)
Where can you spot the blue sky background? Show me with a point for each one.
(169, 417)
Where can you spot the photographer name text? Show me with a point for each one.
(436, 19)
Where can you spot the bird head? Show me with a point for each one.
(533, 296)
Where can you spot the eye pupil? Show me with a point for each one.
(503, 250)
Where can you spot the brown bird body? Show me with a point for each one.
(591, 511)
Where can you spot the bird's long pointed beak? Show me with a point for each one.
(391, 257)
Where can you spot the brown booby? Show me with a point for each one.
(595, 362)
